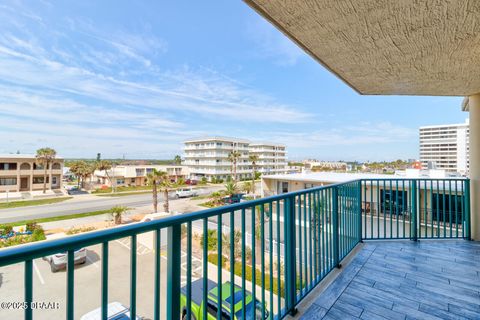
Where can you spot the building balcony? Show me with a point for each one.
(159, 269)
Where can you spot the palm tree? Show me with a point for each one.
(177, 160)
(247, 187)
(117, 213)
(233, 158)
(253, 159)
(165, 185)
(45, 157)
(153, 179)
(231, 188)
(105, 165)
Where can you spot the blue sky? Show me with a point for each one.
(138, 78)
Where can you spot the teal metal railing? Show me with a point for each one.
(264, 255)
(415, 208)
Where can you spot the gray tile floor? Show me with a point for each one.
(405, 280)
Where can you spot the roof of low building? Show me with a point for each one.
(22, 156)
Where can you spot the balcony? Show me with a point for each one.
(300, 240)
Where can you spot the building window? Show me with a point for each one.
(8, 166)
(54, 181)
(56, 166)
(25, 166)
(394, 201)
(8, 181)
(447, 208)
(37, 180)
(120, 181)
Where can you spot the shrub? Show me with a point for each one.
(212, 240)
(117, 213)
(5, 229)
(213, 258)
(32, 226)
(79, 230)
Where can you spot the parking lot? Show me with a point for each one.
(51, 287)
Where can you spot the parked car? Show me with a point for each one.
(253, 308)
(185, 193)
(115, 311)
(236, 198)
(59, 261)
(191, 182)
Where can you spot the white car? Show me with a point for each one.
(115, 310)
(59, 261)
(185, 193)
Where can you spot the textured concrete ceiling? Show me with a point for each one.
(387, 47)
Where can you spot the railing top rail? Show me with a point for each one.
(40, 249)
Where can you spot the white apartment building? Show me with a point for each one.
(208, 157)
(136, 175)
(445, 147)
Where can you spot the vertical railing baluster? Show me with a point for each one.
(133, 277)
(279, 288)
(206, 240)
(232, 262)
(450, 205)
(431, 208)
(359, 211)
(456, 207)
(262, 258)
(174, 238)
(444, 207)
(438, 209)
(312, 265)
(413, 220)
(28, 279)
(189, 270)
(270, 246)
(70, 284)
(305, 251)
(243, 264)
(219, 266)
(290, 256)
(300, 242)
(396, 209)
(254, 254)
(104, 306)
(156, 302)
(336, 254)
(467, 210)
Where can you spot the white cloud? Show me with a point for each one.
(272, 44)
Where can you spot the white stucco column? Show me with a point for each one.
(474, 107)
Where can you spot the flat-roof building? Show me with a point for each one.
(136, 175)
(445, 147)
(208, 157)
(22, 173)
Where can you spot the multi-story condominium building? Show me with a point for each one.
(445, 147)
(272, 158)
(136, 175)
(208, 157)
(21, 173)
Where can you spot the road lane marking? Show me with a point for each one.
(38, 273)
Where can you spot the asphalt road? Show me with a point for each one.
(78, 205)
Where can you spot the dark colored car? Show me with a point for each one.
(233, 199)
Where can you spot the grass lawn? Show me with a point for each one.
(122, 189)
(26, 203)
(58, 218)
(122, 194)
